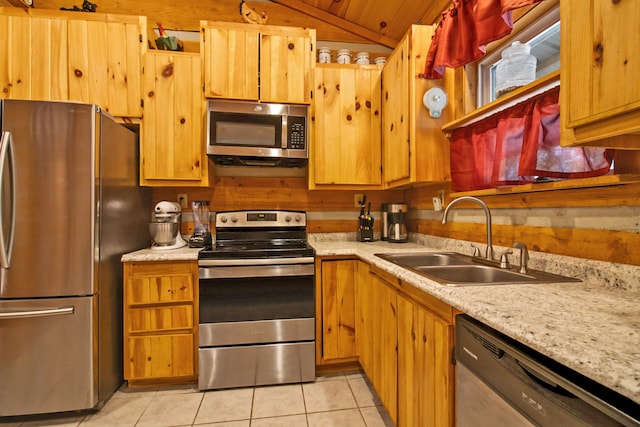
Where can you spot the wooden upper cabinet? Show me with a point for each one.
(231, 58)
(347, 115)
(287, 64)
(172, 140)
(33, 56)
(258, 63)
(396, 116)
(105, 62)
(415, 150)
(86, 57)
(600, 56)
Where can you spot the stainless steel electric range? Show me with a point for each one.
(257, 301)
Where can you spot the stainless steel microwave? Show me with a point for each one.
(257, 134)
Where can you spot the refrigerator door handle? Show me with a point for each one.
(6, 151)
(36, 313)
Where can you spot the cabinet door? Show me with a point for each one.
(287, 61)
(105, 62)
(425, 370)
(347, 143)
(396, 115)
(338, 309)
(172, 145)
(377, 344)
(600, 97)
(231, 61)
(603, 57)
(159, 356)
(33, 56)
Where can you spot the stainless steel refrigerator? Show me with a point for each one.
(70, 206)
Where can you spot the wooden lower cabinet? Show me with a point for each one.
(160, 321)
(425, 368)
(336, 328)
(405, 343)
(377, 336)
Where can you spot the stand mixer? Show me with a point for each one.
(165, 230)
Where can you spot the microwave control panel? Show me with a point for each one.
(296, 132)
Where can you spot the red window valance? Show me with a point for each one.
(465, 29)
(518, 144)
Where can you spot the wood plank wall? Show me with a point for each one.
(621, 246)
(230, 193)
(609, 245)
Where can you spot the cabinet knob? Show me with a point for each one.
(291, 46)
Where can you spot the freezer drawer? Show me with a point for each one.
(46, 359)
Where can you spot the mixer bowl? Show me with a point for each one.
(164, 233)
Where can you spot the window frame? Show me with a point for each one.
(522, 33)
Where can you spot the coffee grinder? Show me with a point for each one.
(397, 213)
(201, 237)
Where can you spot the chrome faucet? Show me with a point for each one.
(524, 256)
(487, 213)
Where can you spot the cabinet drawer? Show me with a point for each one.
(160, 318)
(160, 356)
(148, 289)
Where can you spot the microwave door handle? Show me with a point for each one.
(285, 132)
(6, 153)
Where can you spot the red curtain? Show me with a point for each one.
(465, 29)
(518, 144)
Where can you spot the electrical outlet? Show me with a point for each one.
(438, 201)
(357, 200)
(182, 199)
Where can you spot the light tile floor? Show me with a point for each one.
(339, 400)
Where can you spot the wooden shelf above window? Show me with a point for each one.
(541, 85)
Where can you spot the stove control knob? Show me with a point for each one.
(234, 219)
(298, 218)
(287, 218)
(223, 219)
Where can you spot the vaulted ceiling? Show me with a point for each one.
(351, 21)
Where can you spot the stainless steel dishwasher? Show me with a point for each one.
(501, 383)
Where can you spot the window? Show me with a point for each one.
(543, 36)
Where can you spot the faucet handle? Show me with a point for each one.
(504, 259)
(524, 256)
(476, 251)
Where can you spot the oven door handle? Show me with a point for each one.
(253, 261)
(248, 271)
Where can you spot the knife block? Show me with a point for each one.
(365, 236)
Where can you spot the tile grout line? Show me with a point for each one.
(355, 398)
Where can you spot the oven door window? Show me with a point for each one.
(256, 298)
(246, 130)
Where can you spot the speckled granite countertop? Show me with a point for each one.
(180, 254)
(587, 326)
(592, 327)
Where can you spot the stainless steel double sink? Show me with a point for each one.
(455, 269)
